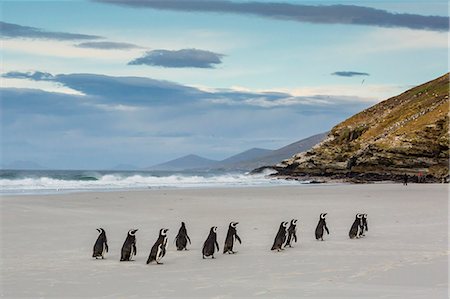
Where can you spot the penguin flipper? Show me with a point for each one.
(106, 247)
(134, 248)
(187, 237)
(326, 228)
(217, 245)
(237, 238)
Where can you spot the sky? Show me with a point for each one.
(94, 84)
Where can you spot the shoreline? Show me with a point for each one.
(150, 188)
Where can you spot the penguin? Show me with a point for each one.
(129, 246)
(292, 233)
(355, 230)
(159, 248)
(363, 226)
(229, 240)
(321, 226)
(101, 245)
(280, 238)
(182, 238)
(211, 241)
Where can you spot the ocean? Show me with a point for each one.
(57, 181)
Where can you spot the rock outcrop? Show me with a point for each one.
(407, 134)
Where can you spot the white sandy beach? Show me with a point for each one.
(47, 243)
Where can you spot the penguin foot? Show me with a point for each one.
(212, 257)
(203, 257)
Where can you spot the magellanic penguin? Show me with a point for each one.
(321, 226)
(129, 246)
(281, 237)
(231, 235)
(356, 227)
(159, 248)
(211, 243)
(101, 245)
(182, 238)
(364, 227)
(292, 233)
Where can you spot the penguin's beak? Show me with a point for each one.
(99, 230)
(166, 230)
(135, 230)
(236, 223)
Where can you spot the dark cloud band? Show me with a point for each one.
(349, 74)
(107, 45)
(179, 58)
(142, 92)
(9, 30)
(323, 14)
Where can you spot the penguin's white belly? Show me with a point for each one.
(159, 253)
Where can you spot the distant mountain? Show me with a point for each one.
(185, 163)
(245, 161)
(276, 156)
(23, 165)
(406, 134)
(250, 154)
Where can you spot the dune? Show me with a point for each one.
(47, 243)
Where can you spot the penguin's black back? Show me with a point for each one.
(181, 238)
(99, 245)
(319, 229)
(279, 238)
(229, 240)
(127, 247)
(354, 229)
(291, 233)
(208, 246)
(154, 250)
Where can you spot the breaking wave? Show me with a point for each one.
(57, 182)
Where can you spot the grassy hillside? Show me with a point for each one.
(407, 133)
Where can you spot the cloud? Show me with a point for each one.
(107, 45)
(9, 30)
(125, 93)
(349, 74)
(322, 14)
(36, 76)
(157, 120)
(179, 58)
(120, 90)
